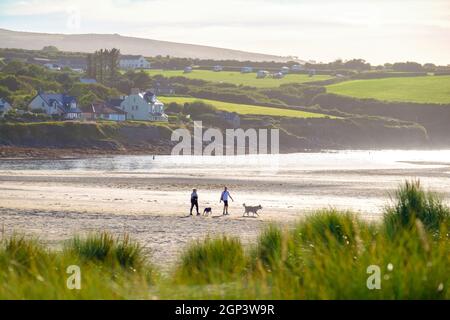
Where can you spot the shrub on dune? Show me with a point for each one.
(411, 202)
(105, 248)
(212, 261)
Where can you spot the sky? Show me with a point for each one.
(378, 31)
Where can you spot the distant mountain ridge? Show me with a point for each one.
(127, 45)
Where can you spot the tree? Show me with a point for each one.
(407, 67)
(50, 49)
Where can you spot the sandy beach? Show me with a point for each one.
(149, 199)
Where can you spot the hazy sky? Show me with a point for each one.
(323, 30)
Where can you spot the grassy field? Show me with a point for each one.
(248, 79)
(247, 109)
(327, 255)
(429, 89)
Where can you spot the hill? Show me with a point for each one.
(237, 78)
(428, 89)
(127, 45)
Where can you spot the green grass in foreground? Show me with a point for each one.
(237, 78)
(428, 89)
(247, 109)
(327, 255)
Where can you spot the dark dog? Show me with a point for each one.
(207, 211)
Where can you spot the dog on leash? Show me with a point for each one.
(207, 211)
(251, 209)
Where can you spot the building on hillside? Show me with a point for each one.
(88, 80)
(261, 74)
(297, 68)
(103, 111)
(230, 117)
(285, 70)
(278, 75)
(52, 66)
(133, 62)
(143, 106)
(78, 64)
(217, 68)
(246, 70)
(4, 107)
(54, 104)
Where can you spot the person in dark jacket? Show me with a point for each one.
(194, 201)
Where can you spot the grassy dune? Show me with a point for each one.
(327, 255)
(237, 78)
(247, 109)
(429, 89)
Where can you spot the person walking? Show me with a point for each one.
(194, 201)
(224, 197)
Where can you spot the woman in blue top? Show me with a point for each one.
(224, 197)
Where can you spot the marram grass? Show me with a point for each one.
(326, 255)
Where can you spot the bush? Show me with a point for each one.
(212, 261)
(107, 249)
(411, 202)
(198, 108)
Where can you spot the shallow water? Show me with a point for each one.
(331, 160)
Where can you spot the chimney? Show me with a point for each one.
(135, 91)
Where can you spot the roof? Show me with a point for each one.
(63, 101)
(130, 57)
(103, 108)
(114, 102)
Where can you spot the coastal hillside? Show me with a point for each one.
(127, 45)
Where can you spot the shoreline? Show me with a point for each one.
(46, 153)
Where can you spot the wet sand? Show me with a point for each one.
(152, 205)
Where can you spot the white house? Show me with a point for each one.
(4, 107)
(143, 106)
(56, 104)
(133, 62)
(285, 70)
(217, 68)
(261, 74)
(246, 70)
(187, 70)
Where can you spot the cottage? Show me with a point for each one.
(56, 105)
(246, 70)
(217, 68)
(4, 107)
(143, 106)
(104, 111)
(187, 70)
(133, 62)
(261, 74)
